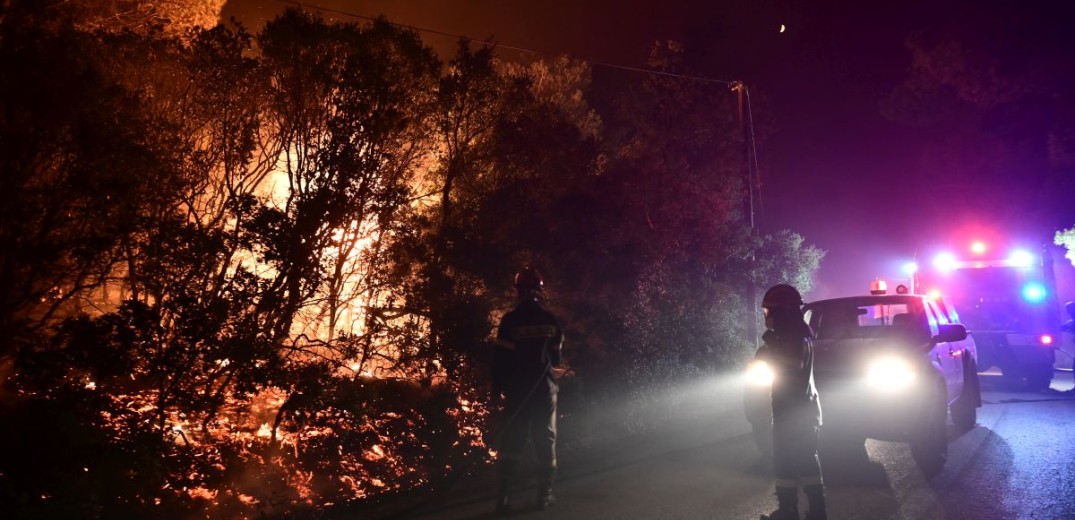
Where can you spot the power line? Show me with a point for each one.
(513, 47)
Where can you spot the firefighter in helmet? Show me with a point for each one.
(788, 350)
(528, 344)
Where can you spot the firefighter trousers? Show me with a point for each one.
(531, 419)
(795, 461)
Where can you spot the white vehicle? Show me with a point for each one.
(888, 367)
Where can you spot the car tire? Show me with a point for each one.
(929, 445)
(965, 409)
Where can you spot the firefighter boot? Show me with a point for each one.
(787, 500)
(503, 497)
(815, 493)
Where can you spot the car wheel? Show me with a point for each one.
(965, 409)
(929, 446)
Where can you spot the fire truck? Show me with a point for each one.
(1007, 301)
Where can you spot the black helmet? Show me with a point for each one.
(528, 280)
(782, 295)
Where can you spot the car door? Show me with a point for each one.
(948, 354)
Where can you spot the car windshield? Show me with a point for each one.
(850, 319)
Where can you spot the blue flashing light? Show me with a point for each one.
(1034, 292)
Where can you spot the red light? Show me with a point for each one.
(977, 247)
(1046, 339)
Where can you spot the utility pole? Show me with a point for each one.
(750, 183)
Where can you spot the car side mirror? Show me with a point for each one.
(947, 333)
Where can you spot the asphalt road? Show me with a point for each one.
(1018, 463)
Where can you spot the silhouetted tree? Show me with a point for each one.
(82, 162)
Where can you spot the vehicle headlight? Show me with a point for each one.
(890, 374)
(759, 373)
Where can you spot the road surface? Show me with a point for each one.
(1018, 463)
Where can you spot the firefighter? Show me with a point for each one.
(528, 346)
(796, 409)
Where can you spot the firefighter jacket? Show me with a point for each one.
(790, 354)
(528, 345)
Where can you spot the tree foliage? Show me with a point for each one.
(1066, 238)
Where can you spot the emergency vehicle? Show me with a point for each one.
(888, 366)
(1009, 304)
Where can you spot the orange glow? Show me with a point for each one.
(374, 453)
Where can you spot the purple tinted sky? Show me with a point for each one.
(834, 170)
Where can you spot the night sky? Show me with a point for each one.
(834, 169)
